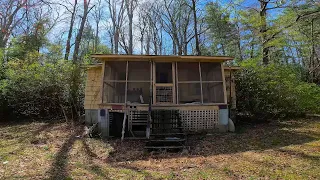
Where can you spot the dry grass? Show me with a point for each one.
(280, 150)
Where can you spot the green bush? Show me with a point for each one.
(275, 91)
(38, 90)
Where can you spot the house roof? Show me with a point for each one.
(162, 58)
(99, 65)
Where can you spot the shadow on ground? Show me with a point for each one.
(259, 137)
(58, 168)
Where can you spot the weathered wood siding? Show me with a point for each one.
(93, 87)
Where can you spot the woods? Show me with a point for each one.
(37, 36)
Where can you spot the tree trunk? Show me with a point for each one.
(223, 49)
(263, 30)
(148, 45)
(174, 47)
(79, 35)
(75, 77)
(129, 6)
(68, 46)
(116, 41)
(239, 44)
(96, 38)
(141, 43)
(130, 35)
(195, 27)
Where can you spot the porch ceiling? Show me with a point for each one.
(167, 58)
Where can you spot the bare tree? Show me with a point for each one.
(72, 19)
(130, 7)
(116, 11)
(10, 16)
(86, 11)
(195, 26)
(142, 25)
(173, 13)
(97, 16)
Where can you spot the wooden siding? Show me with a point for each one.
(93, 88)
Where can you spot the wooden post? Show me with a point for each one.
(177, 83)
(201, 83)
(103, 74)
(126, 86)
(124, 125)
(224, 83)
(174, 83)
(154, 82)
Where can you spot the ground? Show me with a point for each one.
(279, 150)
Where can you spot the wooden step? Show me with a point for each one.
(165, 123)
(168, 128)
(139, 124)
(168, 134)
(164, 147)
(167, 140)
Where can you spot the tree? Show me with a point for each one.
(195, 27)
(72, 19)
(223, 32)
(130, 7)
(116, 11)
(11, 16)
(86, 11)
(97, 16)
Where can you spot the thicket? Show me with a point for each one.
(275, 91)
(30, 88)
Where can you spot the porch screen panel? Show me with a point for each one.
(139, 71)
(138, 82)
(189, 87)
(114, 82)
(115, 71)
(213, 92)
(114, 92)
(211, 72)
(212, 83)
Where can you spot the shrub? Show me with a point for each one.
(275, 91)
(38, 90)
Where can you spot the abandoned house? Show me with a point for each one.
(138, 96)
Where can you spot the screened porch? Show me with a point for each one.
(164, 83)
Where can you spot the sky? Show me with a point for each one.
(61, 29)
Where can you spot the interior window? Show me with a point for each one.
(163, 72)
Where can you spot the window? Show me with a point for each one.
(211, 71)
(114, 82)
(137, 83)
(114, 92)
(189, 87)
(163, 72)
(116, 71)
(212, 83)
(213, 92)
(193, 88)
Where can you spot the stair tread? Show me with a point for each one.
(166, 128)
(164, 123)
(164, 134)
(167, 140)
(164, 147)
